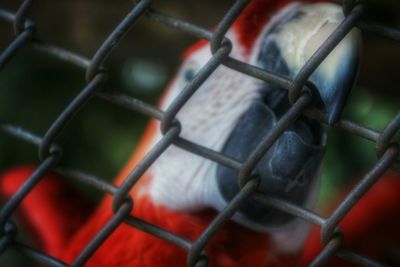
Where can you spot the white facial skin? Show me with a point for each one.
(183, 180)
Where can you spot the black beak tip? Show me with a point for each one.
(332, 119)
(334, 113)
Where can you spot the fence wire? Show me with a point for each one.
(50, 153)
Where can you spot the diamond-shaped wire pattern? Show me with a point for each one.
(50, 153)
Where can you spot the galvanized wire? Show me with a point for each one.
(50, 153)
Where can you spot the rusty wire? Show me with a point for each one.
(50, 153)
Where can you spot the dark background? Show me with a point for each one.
(35, 88)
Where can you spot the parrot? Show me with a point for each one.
(230, 113)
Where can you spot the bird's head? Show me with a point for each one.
(231, 112)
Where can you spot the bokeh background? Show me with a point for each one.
(35, 88)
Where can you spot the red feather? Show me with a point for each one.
(252, 20)
(372, 226)
(53, 211)
(59, 223)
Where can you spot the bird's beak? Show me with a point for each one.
(335, 77)
(289, 170)
(304, 29)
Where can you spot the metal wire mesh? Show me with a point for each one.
(50, 153)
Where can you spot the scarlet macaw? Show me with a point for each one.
(230, 112)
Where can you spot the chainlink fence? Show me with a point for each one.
(49, 152)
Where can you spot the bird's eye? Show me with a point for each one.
(189, 74)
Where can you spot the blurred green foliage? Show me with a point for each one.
(36, 90)
(349, 156)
